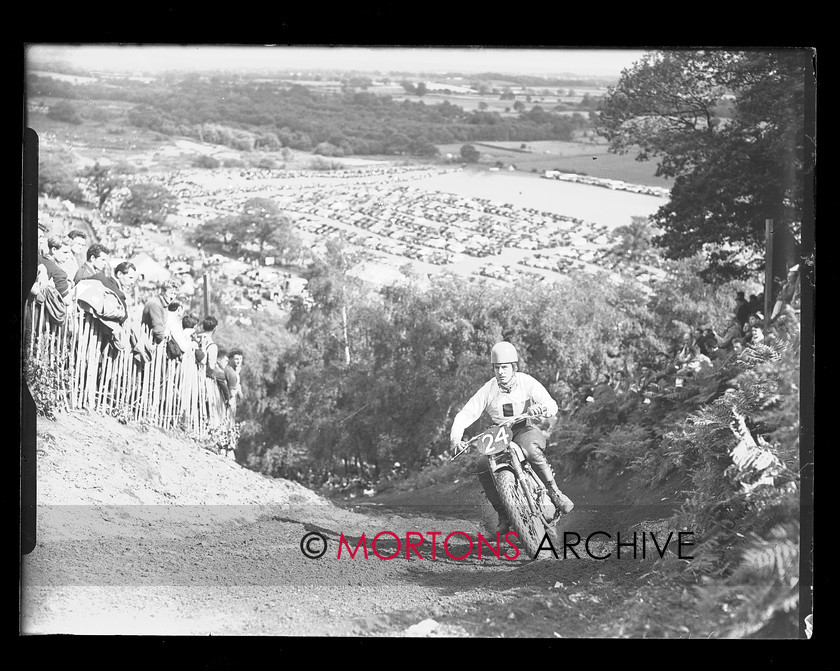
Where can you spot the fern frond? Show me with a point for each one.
(771, 561)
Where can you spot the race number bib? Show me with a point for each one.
(494, 440)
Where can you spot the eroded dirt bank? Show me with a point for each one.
(140, 532)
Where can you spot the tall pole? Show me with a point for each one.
(346, 341)
(768, 271)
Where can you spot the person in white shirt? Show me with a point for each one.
(175, 328)
(507, 394)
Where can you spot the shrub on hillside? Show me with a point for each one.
(48, 378)
(206, 161)
(320, 163)
(64, 111)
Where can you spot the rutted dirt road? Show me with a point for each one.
(145, 534)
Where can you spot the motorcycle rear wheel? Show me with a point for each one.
(529, 531)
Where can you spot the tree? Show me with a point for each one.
(328, 149)
(421, 146)
(103, 180)
(634, 240)
(147, 204)
(64, 111)
(261, 222)
(421, 89)
(219, 229)
(730, 175)
(469, 153)
(55, 176)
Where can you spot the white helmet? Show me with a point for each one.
(503, 352)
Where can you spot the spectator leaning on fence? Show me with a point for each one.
(125, 275)
(53, 269)
(188, 322)
(63, 256)
(174, 328)
(154, 311)
(97, 261)
(204, 338)
(78, 245)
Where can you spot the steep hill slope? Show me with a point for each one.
(87, 462)
(143, 532)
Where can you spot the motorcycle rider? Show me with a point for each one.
(507, 394)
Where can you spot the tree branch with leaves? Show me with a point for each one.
(734, 166)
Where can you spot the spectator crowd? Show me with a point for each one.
(72, 274)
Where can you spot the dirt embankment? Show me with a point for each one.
(142, 532)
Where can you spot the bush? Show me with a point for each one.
(328, 149)
(206, 161)
(64, 111)
(47, 380)
(320, 163)
(469, 153)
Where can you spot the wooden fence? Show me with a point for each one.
(79, 367)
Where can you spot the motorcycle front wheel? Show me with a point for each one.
(513, 498)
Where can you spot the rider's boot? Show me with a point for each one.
(559, 500)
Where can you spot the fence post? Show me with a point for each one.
(768, 272)
(107, 381)
(73, 363)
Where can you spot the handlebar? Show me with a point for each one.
(465, 445)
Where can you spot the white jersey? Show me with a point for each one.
(525, 391)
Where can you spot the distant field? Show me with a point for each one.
(106, 134)
(588, 158)
(470, 102)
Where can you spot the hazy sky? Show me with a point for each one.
(543, 62)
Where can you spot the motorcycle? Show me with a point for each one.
(523, 494)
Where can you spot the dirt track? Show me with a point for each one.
(144, 534)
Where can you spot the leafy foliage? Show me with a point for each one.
(375, 376)
(730, 175)
(147, 204)
(48, 377)
(252, 116)
(103, 181)
(56, 176)
(63, 110)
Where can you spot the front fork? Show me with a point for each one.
(521, 475)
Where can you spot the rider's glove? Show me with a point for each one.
(537, 410)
